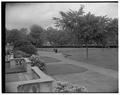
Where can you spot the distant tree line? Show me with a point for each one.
(74, 28)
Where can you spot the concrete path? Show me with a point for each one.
(96, 79)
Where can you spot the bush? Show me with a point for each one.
(19, 54)
(22, 42)
(25, 46)
(29, 49)
(68, 87)
(7, 52)
(36, 61)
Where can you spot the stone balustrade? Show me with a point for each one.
(33, 80)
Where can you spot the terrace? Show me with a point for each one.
(21, 77)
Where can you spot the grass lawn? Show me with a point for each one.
(107, 58)
(58, 69)
(49, 59)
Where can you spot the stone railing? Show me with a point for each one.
(43, 84)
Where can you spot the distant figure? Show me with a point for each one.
(55, 50)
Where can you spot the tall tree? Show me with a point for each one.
(112, 31)
(35, 35)
(52, 36)
(58, 37)
(85, 27)
(12, 36)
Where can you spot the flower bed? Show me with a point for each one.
(67, 87)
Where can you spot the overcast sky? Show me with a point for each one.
(26, 14)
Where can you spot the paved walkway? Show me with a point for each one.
(96, 79)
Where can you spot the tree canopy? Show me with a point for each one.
(35, 35)
(87, 28)
(72, 28)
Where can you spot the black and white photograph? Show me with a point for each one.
(60, 47)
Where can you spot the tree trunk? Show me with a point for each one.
(103, 46)
(87, 50)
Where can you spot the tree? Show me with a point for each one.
(63, 38)
(84, 27)
(24, 31)
(52, 36)
(14, 35)
(35, 35)
(112, 32)
(57, 37)
(95, 27)
(19, 41)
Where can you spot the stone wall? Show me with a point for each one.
(36, 87)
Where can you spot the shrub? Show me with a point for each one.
(36, 61)
(68, 87)
(25, 46)
(7, 52)
(29, 49)
(19, 54)
(22, 42)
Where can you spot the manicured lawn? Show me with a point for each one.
(107, 58)
(49, 59)
(58, 69)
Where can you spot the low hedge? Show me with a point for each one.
(19, 54)
(29, 49)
